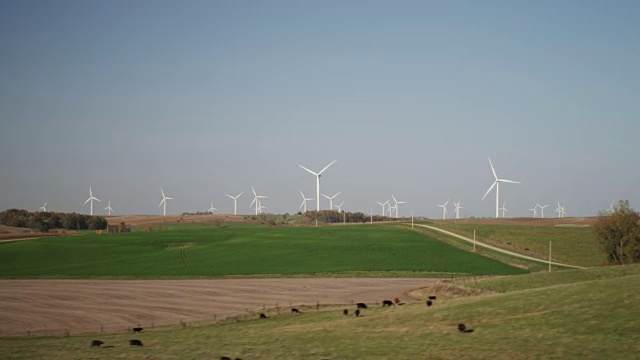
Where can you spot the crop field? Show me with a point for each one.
(573, 314)
(571, 245)
(204, 250)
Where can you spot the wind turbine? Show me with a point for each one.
(108, 208)
(304, 201)
(542, 210)
(457, 210)
(561, 211)
(496, 183)
(383, 205)
(340, 206)
(444, 210)
(235, 201)
(164, 202)
(212, 209)
(535, 211)
(256, 200)
(44, 207)
(90, 199)
(504, 209)
(391, 208)
(318, 175)
(396, 205)
(331, 199)
(609, 211)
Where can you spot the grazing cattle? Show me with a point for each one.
(96, 343)
(295, 311)
(387, 303)
(429, 302)
(432, 297)
(225, 358)
(357, 313)
(463, 329)
(345, 312)
(135, 342)
(137, 329)
(396, 300)
(263, 316)
(361, 305)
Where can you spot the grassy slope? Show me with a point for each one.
(240, 249)
(582, 314)
(572, 245)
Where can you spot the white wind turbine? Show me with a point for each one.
(318, 175)
(212, 209)
(339, 206)
(457, 210)
(304, 201)
(383, 205)
(108, 208)
(542, 210)
(561, 211)
(90, 200)
(504, 208)
(496, 183)
(391, 208)
(331, 199)
(44, 207)
(609, 211)
(235, 202)
(397, 203)
(164, 202)
(535, 211)
(444, 209)
(256, 200)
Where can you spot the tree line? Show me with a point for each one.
(43, 221)
(332, 216)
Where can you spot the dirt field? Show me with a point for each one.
(56, 306)
(144, 220)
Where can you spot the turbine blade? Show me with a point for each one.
(326, 167)
(491, 188)
(230, 196)
(308, 170)
(254, 190)
(161, 202)
(239, 194)
(509, 181)
(493, 170)
(326, 196)
(85, 203)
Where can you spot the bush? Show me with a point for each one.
(619, 234)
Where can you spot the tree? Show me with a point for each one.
(619, 234)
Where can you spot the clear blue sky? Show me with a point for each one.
(211, 97)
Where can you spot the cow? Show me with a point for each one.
(361, 306)
(429, 302)
(137, 329)
(432, 297)
(295, 311)
(463, 329)
(357, 312)
(263, 316)
(135, 342)
(345, 312)
(387, 303)
(96, 343)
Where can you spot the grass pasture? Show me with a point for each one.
(574, 314)
(204, 250)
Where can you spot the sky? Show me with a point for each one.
(207, 98)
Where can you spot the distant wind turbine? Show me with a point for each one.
(542, 210)
(444, 209)
(535, 211)
(212, 209)
(304, 201)
(318, 175)
(457, 209)
(383, 206)
(561, 211)
(496, 183)
(397, 203)
(339, 206)
(256, 200)
(504, 208)
(90, 199)
(164, 202)
(609, 211)
(331, 199)
(108, 208)
(44, 207)
(235, 202)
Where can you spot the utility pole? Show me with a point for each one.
(474, 240)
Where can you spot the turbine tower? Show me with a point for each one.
(108, 208)
(90, 200)
(212, 209)
(318, 175)
(496, 183)
(383, 205)
(44, 207)
(256, 200)
(542, 210)
(444, 209)
(331, 199)
(396, 205)
(164, 202)
(235, 202)
(504, 209)
(304, 201)
(535, 211)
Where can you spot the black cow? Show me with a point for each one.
(357, 312)
(225, 358)
(135, 342)
(295, 311)
(345, 312)
(432, 297)
(387, 303)
(96, 343)
(137, 329)
(463, 329)
(429, 302)
(361, 305)
(263, 316)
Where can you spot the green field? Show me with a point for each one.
(571, 245)
(573, 314)
(182, 251)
